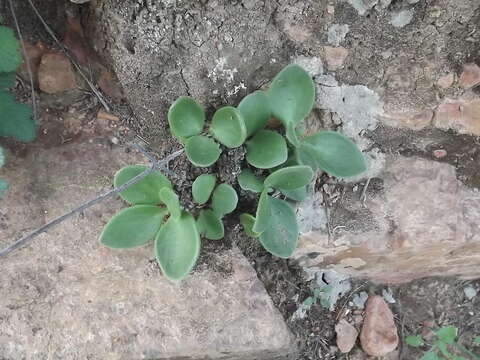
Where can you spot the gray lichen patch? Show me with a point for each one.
(337, 33)
(402, 18)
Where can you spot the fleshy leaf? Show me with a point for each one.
(289, 178)
(228, 127)
(133, 226)
(202, 151)
(169, 198)
(291, 95)
(263, 214)
(299, 194)
(202, 188)
(16, 118)
(224, 199)
(10, 50)
(211, 225)
(266, 149)
(336, 154)
(447, 334)
(255, 110)
(305, 154)
(281, 236)
(291, 134)
(186, 118)
(147, 190)
(414, 340)
(177, 246)
(7, 80)
(248, 181)
(247, 222)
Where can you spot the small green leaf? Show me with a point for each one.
(202, 151)
(3, 187)
(248, 181)
(177, 246)
(291, 134)
(255, 110)
(224, 199)
(16, 118)
(7, 80)
(289, 178)
(186, 118)
(263, 214)
(476, 340)
(336, 154)
(133, 226)
(309, 301)
(202, 188)
(10, 50)
(281, 236)
(291, 95)
(305, 154)
(211, 225)
(431, 355)
(147, 190)
(169, 198)
(299, 194)
(247, 222)
(228, 127)
(414, 340)
(266, 149)
(447, 334)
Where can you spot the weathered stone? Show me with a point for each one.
(470, 76)
(55, 74)
(379, 333)
(422, 223)
(346, 336)
(66, 296)
(462, 115)
(446, 81)
(337, 33)
(335, 57)
(34, 54)
(402, 18)
(412, 119)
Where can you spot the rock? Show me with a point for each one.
(440, 153)
(470, 76)
(446, 81)
(335, 57)
(416, 119)
(55, 74)
(379, 333)
(470, 292)
(402, 18)
(34, 54)
(462, 115)
(66, 296)
(346, 336)
(109, 84)
(337, 33)
(363, 6)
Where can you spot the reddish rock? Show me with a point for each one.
(446, 81)
(411, 119)
(335, 57)
(379, 333)
(109, 85)
(346, 336)
(470, 76)
(34, 54)
(440, 153)
(462, 115)
(55, 74)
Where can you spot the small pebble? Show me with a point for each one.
(470, 292)
(440, 153)
(114, 141)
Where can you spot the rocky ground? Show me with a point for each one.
(409, 97)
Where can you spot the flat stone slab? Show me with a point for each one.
(64, 296)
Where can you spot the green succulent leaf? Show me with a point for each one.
(306, 154)
(476, 340)
(289, 178)
(133, 226)
(177, 246)
(255, 110)
(414, 340)
(186, 118)
(2, 157)
(291, 134)
(281, 236)
(169, 198)
(248, 181)
(7, 80)
(3, 187)
(202, 151)
(335, 154)
(247, 222)
(16, 118)
(210, 225)
(146, 191)
(266, 149)
(263, 214)
(10, 50)
(202, 188)
(224, 199)
(299, 194)
(447, 334)
(228, 127)
(291, 95)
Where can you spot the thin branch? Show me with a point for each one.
(70, 57)
(27, 60)
(155, 165)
